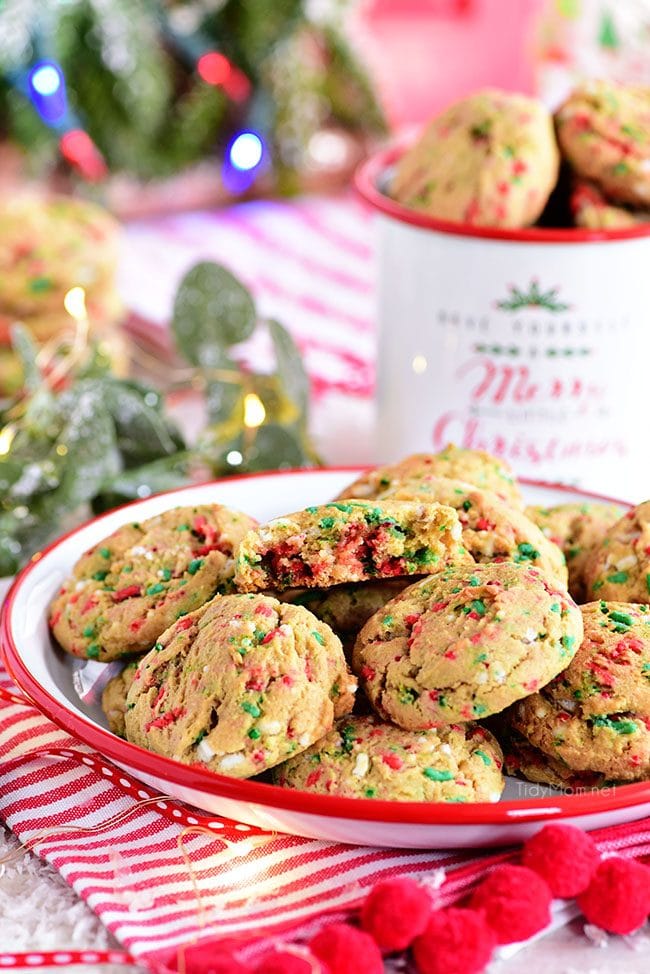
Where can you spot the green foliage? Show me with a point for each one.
(102, 440)
(131, 79)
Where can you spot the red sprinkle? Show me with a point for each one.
(393, 760)
(165, 719)
(54, 621)
(126, 593)
(136, 625)
(184, 623)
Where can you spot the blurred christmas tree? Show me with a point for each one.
(148, 87)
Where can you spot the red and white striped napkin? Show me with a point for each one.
(162, 876)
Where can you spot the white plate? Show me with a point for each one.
(45, 674)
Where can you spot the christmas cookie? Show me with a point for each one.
(471, 466)
(114, 698)
(51, 244)
(362, 757)
(465, 643)
(616, 745)
(492, 529)
(610, 672)
(490, 159)
(618, 568)
(576, 529)
(604, 132)
(129, 588)
(348, 541)
(522, 760)
(593, 211)
(239, 686)
(347, 608)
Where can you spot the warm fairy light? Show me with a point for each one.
(6, 439)
(234, 458)
(254, 411)
(419, 364)
(75, 303)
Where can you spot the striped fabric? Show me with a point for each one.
(161, 875)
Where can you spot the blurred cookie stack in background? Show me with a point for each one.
(58, 261)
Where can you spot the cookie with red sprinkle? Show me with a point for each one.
(126, 590)
(348, 541)
(618, 568)
(454, 462)
(238, 686)
(363, 757)
(465, 643)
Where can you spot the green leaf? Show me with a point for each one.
(274, 448)
(88, 439)
(212, 311)
(143, 433)
(26, 349)
(289, 367)
(166, 473)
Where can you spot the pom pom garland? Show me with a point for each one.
(346, 950)
(454, 942)
(395, 912)
(515, 901)
(286, 962)
(618, 896)
(564, 856)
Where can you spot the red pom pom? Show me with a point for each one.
(618, 896)
(454, 942)
(285, 962)
(564, 856)
(395, 912)
(347, 950)
(515, 902)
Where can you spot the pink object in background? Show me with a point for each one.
(424, 54)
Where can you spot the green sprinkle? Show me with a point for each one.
(527, 552)
(423, 556)
(434, 775)
(89, 631)
(568, 641)
(156, 589)
(407, 695)
(311, 510)
(387, 621)
(100, 576)
(618, 578)
(93, 651)
(165, 574)
(317, 636)
(478, 606)
(326, 523)
(481, 658)
(251, 708)
(254, 734)
(478, 709)
(619, 726)
(597, 585)
(474, 581)
(158, 647)
(199, 737)
(345, 508)
(647, 582)
(466, 505)
(127, 569)
(555, 607)
(485, 758)
(105, 552)
(194, 565)
(40, 285)
(370, 792)
(182, 527)
(621, 617)
(347, 738)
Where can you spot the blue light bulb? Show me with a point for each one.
(46, 89)
(246, 151)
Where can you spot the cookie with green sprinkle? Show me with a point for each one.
(616, 745)
(130, 587)
(465, 643)
(362, 757)
(523, 760)
(348, 541)
(457, 463)
(618, 568)
(492, 529)
(576, 529)
(239, 686)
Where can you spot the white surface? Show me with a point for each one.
(263, 497)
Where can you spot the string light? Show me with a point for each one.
(214, 68)
(46, 88)
(254, 411)
(80, 151)
(246, 151)
(6, 439)
(74, 303)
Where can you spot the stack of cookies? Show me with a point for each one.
(497, 159)
(357, 647)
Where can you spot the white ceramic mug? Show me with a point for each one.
(532, 344)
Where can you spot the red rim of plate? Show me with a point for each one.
(406, 813)
(367, 180)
